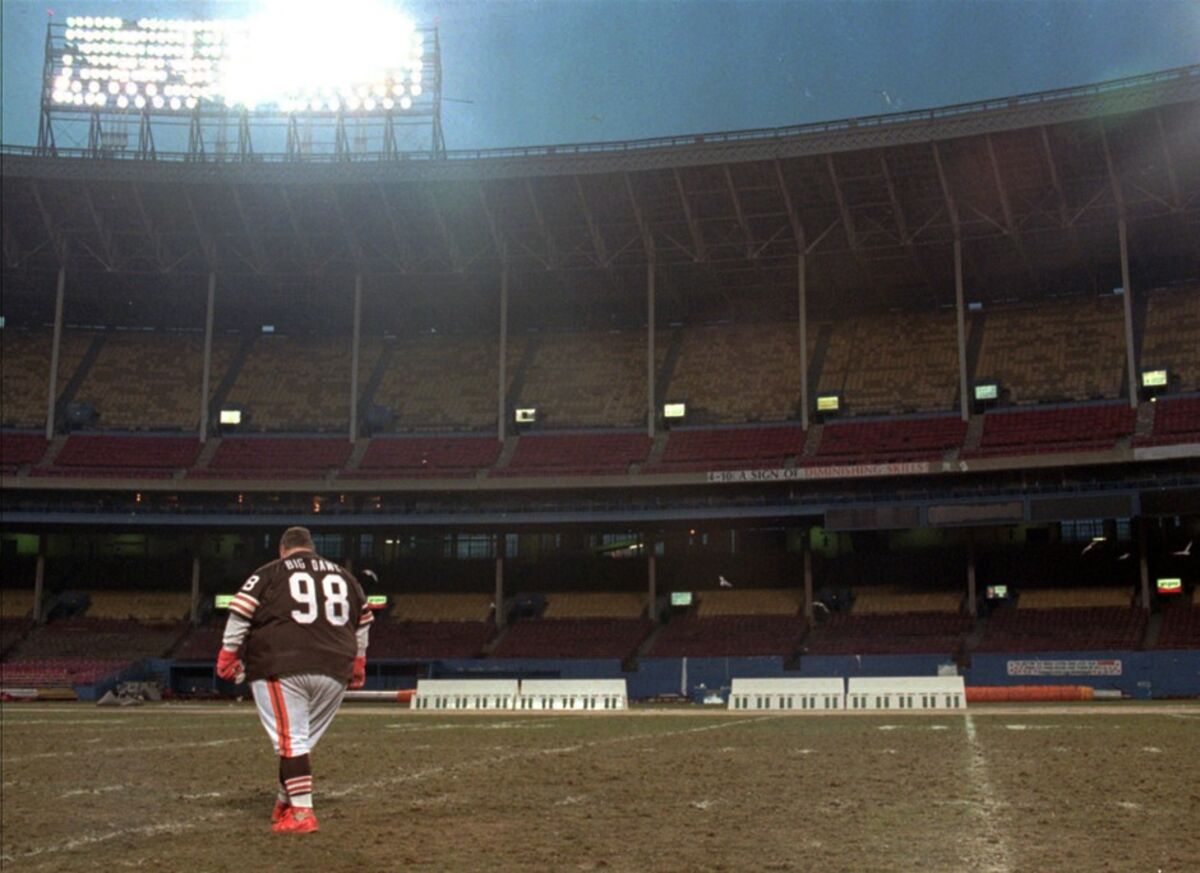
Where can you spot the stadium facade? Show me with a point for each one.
(933, 380)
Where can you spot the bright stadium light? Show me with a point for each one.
(295, 47)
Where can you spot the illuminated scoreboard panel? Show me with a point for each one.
(290, 63)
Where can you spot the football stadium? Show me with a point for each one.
(816, 497)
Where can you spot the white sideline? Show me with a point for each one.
(995, 851)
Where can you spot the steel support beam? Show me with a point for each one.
(39, 579)
(194, 612)
(971, 592)
(502, 363)
(1010, 226)
(56, 345)
(802, 295)
(747, 236)
(651, 417)
(593, 230)
(499, 595)
(699, 252)
(1172, 179)
(808, 576)
(551, 248)
(651, 576)
(964, 400)
(1127, 304)
(1126, 289)
(206, 369)
(356, 342)
(1143, 564)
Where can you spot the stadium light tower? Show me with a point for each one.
(292, 79)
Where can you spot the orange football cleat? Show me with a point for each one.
(279, 811)
(296, 820)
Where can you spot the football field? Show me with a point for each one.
(189, 787)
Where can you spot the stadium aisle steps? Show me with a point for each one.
(699, 450)
(1060, 429)
(888, 441)
(1176, 420)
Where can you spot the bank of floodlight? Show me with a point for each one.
(293, 57)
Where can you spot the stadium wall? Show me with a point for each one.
(1135, 674)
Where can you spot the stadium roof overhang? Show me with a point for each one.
(1033, 185)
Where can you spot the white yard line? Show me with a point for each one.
(153, 747)
(493, 760)
(993, 851)
(175, 827)
(149, 830)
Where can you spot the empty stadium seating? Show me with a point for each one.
(299, 384)
(1078, 597)
(19, 450)
(145, 606)
(1172, 334)
(1034, 630)
(59, 672)
(1180, 627)
(883, 441)
(276, 458)
(729, 448)
(441, 607)
(25, 372)
(123, 456)
(889, 634)
(1059, 350)
(728, 636)
(1061, 429)
(150, 380)
(122, 639)
(894, 363)
(444, 383)
(429, 639)
(748, 601)
(584, 454)
(12, 630)
(740, 372)
(16, 602)
(886, 600)
(425, 457)
(1176, 420)
(592, 379)
(595, 604)
(202, 643)
(573, 638)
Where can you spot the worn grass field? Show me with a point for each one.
(190, 788)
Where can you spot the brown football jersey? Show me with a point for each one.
(304, 614)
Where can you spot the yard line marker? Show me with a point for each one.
(995, 851)
(153, 747)
(169, 827)
(104, 789)
(532, 753)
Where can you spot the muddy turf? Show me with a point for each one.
(190, 788)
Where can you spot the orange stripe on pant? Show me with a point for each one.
(281, 718)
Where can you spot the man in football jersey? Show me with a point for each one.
(302, 623)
